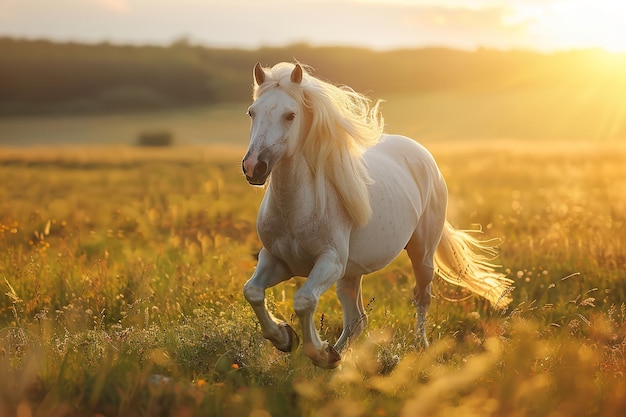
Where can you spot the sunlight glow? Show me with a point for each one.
(576, 24)
(548, 25)
(544, 25)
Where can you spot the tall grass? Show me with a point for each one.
(122, 273)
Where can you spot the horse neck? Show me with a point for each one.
(291, 179)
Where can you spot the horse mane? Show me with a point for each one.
(343, 124)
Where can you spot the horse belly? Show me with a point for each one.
(404, 176)
(375, 245)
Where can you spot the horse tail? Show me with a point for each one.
(465, 261)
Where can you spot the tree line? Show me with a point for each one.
(45, 77)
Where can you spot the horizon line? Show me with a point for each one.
(195, 43)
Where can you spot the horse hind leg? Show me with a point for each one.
(422, 293)
(421, 251)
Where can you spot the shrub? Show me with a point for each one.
(156, 138)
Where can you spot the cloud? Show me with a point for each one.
(374, 24)
(248, 23)
(496, 26)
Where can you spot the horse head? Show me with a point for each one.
(275, 122)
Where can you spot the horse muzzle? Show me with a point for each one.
(256, 173)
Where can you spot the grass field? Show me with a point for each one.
(558, 113)
(189, 126)
(121, 272)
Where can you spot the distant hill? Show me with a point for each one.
(43, 77)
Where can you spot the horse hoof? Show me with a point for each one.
(293, 342)
(334, 358)
(332, 361)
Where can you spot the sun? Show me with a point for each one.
(578, 24)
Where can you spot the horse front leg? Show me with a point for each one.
(326, 271)
(269, 272)
(354, 316)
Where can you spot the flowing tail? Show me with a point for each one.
(463, 260)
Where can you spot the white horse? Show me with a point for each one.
(343, 201)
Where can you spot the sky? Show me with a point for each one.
(543, 25)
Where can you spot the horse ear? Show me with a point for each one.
(259, 74)
(296, 74)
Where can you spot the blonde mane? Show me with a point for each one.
(343, 124)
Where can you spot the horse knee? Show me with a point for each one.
(304, 303)
(254, 294)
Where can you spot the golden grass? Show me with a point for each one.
(122, 271)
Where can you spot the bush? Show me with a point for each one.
(157, 138)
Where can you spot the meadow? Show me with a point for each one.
(121, 271)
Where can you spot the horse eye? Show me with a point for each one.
(290, 116)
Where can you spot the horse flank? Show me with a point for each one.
(343, 124)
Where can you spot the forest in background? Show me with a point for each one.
(39, 77)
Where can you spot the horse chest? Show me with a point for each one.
(296, 240)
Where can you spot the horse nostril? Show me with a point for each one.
(260, 169)
(243, 167)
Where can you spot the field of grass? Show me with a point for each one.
(188, 126)
(121, 272)
(525, 114)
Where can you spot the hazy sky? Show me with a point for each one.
(381, 24)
